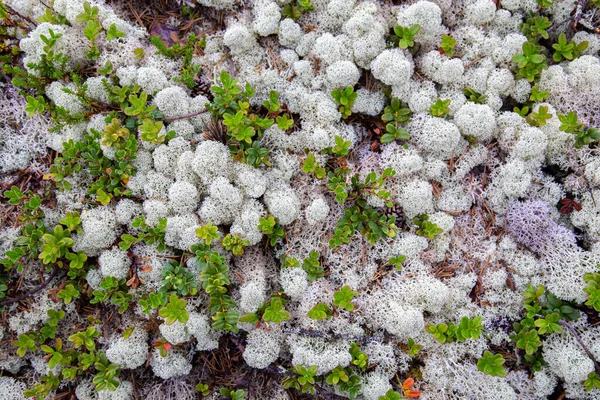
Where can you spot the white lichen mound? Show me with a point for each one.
(131, 352)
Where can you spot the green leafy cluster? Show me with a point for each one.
(474, 96)
(295, 9)
(147, 234)
(109, 176)
(447, 45)
(81, 357)
(235, 244)
(583, 135)
(214, 275)
(93, 29)
(492, 364)
(395, 115)
(405, 36)
(466, 329)
(535, 27)
(568, 51)
(177, 280)
(231, 105)
(113, 291)
(425, 227)
(271, 228)
(189, 70)
(592, 290)
(28, 244)
(274, 311)
(174, 311)
(543, 313)
(531, 62)
(302, 379)
(441, 108)
(345, 98)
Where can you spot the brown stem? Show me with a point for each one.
(34, 291)
(190, 115)
(585, 348)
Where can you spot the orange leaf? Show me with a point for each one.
(408, 383)
(146, 268)
(167, 346)
(412, 394)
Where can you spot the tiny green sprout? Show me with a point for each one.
(106, 376)
(528, 341)
(474, 97)
(291, 262)
(284, 122)
(174, 311)
(251, 318)
(592, 381)
(391, 395)
(311, 166)
(406, 35)
(139, 53)
(345, 98)
(176, 279)
(587, 136)
(115, 135)
(397, 262)
(544, 3)
(413, 348)
(593, 290)
(540, 117)
(426, 228)
(441, 108)
(569, 123)
(226, 321)
(89, 13)
(114, 33)
(203, 389)
(303, 379)
(85, 338)
(272, 105)
(312, 266)
(492, 364)
(359, 358)
(337, 375)
(68, 293)
(396, 113)
(257, 155)
(394, 133)
(320, 311)
(14, 195)
(150, 131)
(24, 343)
(233, 394)
(549, 324)
(535, 27)
(448, 44)
(235, 244)
(569, 51)
(276, 312)
(536, 95)
(271, 228)
(295, 11)
(530, 63)
(208, 233)
(341, 148)
(35, 105)
(343, 298)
